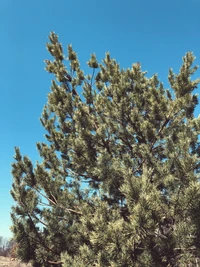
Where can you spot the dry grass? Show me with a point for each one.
(7, 262)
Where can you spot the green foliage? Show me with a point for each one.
(118, 181)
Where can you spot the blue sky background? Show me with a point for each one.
(155, 33)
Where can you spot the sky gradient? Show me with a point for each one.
(155, 33)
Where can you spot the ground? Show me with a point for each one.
(6, 262)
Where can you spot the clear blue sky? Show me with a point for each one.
(153, 32)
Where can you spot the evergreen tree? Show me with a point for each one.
(118, 181)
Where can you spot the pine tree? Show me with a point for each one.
(117, 184)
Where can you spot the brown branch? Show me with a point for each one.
(139, 166)
(45, 196)
(54, 198)
(56, 204)
(74, 211)
(41, 241)
(55, 262)
(39, 220)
